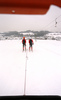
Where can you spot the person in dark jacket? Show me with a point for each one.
(31, 44)
(24, 43)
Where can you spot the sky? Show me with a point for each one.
(44, 22)
(42, 67)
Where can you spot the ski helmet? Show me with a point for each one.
(23, 37)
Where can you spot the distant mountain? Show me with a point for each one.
(53, 35)
(19, 34)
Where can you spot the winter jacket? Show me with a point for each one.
(30, 41)
(24, 41)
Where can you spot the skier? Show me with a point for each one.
(30, 44)
(24, 43)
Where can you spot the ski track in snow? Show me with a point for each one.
(43, 70)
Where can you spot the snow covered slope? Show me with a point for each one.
(43, 69)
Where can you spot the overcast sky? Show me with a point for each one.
(9, 22)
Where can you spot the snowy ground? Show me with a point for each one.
(43, 68)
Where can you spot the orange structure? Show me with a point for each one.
(27, 6)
